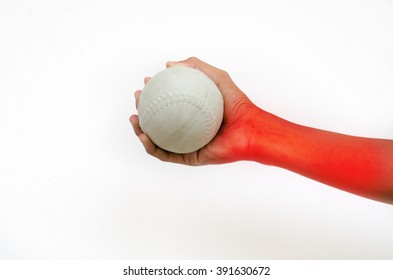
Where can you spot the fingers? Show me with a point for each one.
(137, 94)
(151, 148)
(147, 143)
(180, 63)
(135, 125)
(159, 153)
(217, 75)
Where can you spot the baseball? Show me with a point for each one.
(180, 109)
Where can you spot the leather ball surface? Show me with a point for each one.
(180, 109)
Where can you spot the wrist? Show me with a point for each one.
(271, 138)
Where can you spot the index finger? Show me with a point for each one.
(219, 77)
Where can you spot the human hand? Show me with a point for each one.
(359, 165)
(232, 140)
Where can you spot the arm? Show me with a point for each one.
(362, 166)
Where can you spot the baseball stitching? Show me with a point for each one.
(167, 100)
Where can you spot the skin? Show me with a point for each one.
(359, 165)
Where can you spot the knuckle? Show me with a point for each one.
(192, 59)
(224, 74)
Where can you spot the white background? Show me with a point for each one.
(76, 183)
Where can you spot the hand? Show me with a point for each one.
(232, 140)
(359, 165)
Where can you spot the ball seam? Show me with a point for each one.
(167, 100)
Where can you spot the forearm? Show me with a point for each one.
(363, 166)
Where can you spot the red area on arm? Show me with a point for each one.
(363, 166)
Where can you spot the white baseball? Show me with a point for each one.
(180, 109)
